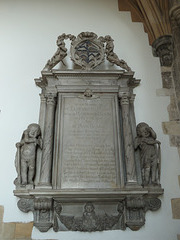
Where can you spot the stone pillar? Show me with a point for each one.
(163, 48)
(47, 152)
(134, 134)
(42, 113)
(132, 114)
(175, 25)
(42, 118)
(128, 140)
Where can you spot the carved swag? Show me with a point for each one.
(86, 166)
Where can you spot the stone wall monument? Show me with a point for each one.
(84, 167)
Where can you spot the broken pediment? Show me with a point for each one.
(85, 166)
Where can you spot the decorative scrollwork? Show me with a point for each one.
(87, 51)
(90, 221)
(61, 52)
(112, 56)
(26, 205)
(152, 204)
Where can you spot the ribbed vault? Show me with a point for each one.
(154, 14)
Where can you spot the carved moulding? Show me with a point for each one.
(90, 216)
(85, 166)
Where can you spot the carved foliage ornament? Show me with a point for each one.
(90, 221)
(87, 51)
(88, 131)
(130, 212)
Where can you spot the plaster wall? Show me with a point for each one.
(28, 31)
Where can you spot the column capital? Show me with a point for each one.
(124, 98)
(42, 97)
(132, 98)
(162, 47)
(50, 98)
(174, 13)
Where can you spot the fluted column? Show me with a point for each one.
(128, 139)
(134, 134)
(42, 117)
(47, 152)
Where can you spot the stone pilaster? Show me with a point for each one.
(175, 25)
(134, 134)
(163, 48)
(42, 112)
(128, 139)
(47, 152)
(42, 118)
(132, 114)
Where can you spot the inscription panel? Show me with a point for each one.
(88, 153)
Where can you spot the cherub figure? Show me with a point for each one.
(149, 152)
(26, 154)
(89, 216)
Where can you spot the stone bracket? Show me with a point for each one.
(88, 216)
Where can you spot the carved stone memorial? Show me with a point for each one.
(85, 166)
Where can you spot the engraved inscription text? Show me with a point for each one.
(88, 143)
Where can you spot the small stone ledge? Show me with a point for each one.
(162, 92)
(171, 128)
(175, 203)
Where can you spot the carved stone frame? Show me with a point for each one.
(116, 204)
(65, 209)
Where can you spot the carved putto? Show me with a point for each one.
(26, 155)
(90, 221)
(87, 51)
(149, 153)
(90, 172)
